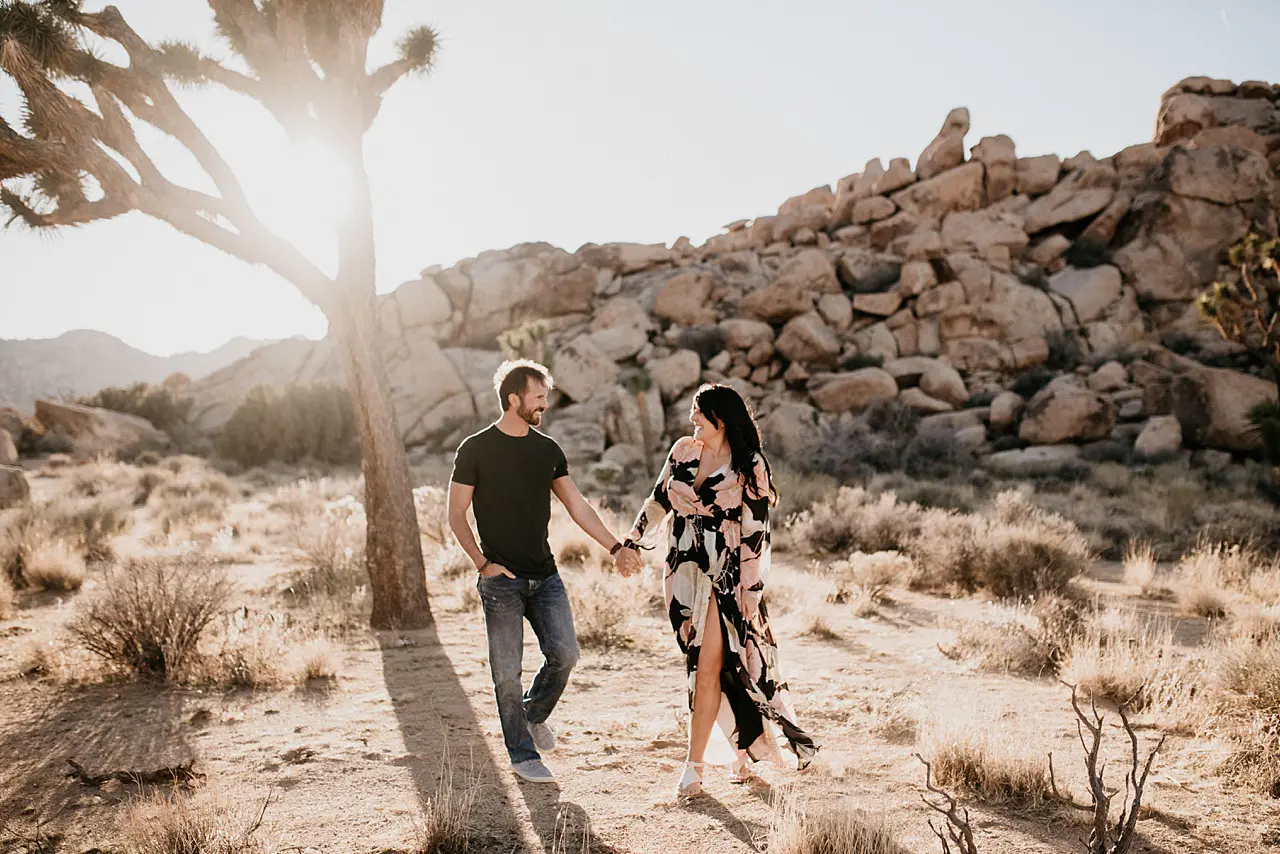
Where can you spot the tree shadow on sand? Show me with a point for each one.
(117, 726)
(443, 736)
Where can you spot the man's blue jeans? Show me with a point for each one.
(508, 602)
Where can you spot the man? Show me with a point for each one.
(509, 471)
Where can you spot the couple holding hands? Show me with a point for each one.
(716, 487)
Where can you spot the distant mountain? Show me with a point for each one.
(82, 361)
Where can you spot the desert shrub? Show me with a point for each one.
(854, 520)
(203, 822)
(575, 553)
(466, 597)
(1028, 385)
(451, 562)
(1008, 643)
(264, 649)
(8, 597)
(149, 616)
(601, 612)
(1013, 550)
(190, 494)
(303, 422)
(864, 578)
(93, 522)
(798, 828)
(1066, 350)
(432, 506)
(163, 407)
(331, 551)
(798, 491)
(54, 564)
(935, 453)
(1119, 657)
(996, 767)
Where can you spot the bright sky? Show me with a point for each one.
(576, 121)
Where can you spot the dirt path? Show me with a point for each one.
(352, 768)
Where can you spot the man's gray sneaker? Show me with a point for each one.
(533, 771)
(544, 737)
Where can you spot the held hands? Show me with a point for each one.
(628, 562)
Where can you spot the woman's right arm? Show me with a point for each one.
(651, 515)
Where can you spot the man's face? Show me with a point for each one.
(532, 403)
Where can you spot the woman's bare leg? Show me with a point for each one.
(706, 688)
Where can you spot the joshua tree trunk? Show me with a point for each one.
(393, 547)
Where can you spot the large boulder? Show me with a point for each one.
(581, 441)
(501, 289)
(1066, 413)
(947, 149)
(998, 155)
(1211, 404)
(1178, 247)
(1223, 174)
(1037, 175)
(958, 189)
(1161, 437)
(743, 333)
(11, 422)
(943, 382)
(1181, 117)
(1081, 194)
(791, 430)
(686, 299)
(865, 272)
(1036, 461)
(632, 417)
(792, 291)
(676, 374)
(1090, 291)
(581, 369)
(853, 391)
(92, 431)
(8, 449)
(808, 340)
(14, 489)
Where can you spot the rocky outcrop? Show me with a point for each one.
(93, 431)
(936, 287)
(8, 449)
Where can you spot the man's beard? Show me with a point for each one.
(532, 417)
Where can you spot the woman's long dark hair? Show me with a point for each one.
(724, 407)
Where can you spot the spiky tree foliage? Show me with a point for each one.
(69, 161)
(1246, 310)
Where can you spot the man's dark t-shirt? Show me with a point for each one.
(512, 477)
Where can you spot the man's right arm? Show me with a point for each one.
(459, 500)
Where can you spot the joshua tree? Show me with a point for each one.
(72, 160)
(1246, 310)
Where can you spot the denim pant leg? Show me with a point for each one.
(504, 606)
(552, 621)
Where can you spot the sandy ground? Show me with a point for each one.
(352, 767)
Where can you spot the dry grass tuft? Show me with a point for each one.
(330, 551)
(466, 594)
(206, 822)
(1009, 640)
(1140, 568)
(799, 828)
(446, 821)
(1208, 577)
(1118, 655)
(450, 562)
(819, 629)
(315, 661)
(575, 553)
(862, 580)
(54, 564)
(996, 767)
(8, 598)
(149, 616)
(601, 611)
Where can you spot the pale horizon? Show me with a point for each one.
(571, 127)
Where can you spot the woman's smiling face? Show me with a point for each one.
(704, 430)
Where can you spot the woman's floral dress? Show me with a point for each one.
(719, 545)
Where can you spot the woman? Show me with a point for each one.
(716, 484)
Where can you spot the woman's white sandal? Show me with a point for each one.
(691, 781)
(740, 772)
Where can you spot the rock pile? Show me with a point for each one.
(937, 286)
